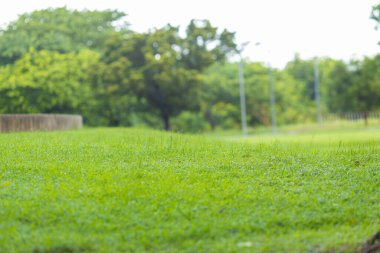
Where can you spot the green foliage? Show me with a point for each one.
(351, 87)
(60, 30)
(220, 96)
(48, 82)
(226, 115)
(366, 91)
(337, 81)
(204, 45)
(162, 68)
(168, 86)
(303, 70)
(375, 15)
(94, 190)
(291, 105)
(189, 122)
(111, 79)
(220, 91)
(257, 93)
(343, 87)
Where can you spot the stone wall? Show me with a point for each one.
(39, 122)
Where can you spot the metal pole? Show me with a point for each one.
(272, 101)
(316, 91)
(242, 97)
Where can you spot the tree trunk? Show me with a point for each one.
(366, 118)
(166, 121)
(209, 118)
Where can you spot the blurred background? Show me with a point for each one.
(194, 66)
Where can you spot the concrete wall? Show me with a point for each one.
(39, 122)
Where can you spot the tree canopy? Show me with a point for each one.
(164, 68)
(60, 30)
(47, 81)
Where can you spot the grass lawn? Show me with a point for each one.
(131, 190)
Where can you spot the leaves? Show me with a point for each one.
(60, 30)
(164, 68)
(47, 81)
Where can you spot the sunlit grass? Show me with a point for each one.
(130, 190)
(338, 127)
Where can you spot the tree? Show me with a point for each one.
(220, 95)
(204, 45)
(164, 68)
(48, 82)
(111, 80)
(352, 87)
(375, 15)
(291, 104)
(337, 81)
(303, 70)
(60, 30)
(366, 91)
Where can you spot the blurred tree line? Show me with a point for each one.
(91, 63)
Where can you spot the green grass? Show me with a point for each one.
(305, 128)
(130, 190)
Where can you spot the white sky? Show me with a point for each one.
(340, 29)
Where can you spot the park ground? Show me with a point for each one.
(137, 190)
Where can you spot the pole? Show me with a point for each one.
(272, 101)
(242, 97)
(316, 91)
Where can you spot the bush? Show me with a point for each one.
(189, 122)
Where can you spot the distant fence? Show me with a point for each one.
(354, 117)
(39, 122)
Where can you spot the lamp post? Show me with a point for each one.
(242, 92)
(316, 91)
(272, 100)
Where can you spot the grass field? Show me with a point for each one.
(130, 190)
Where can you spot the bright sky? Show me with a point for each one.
(340, 29)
